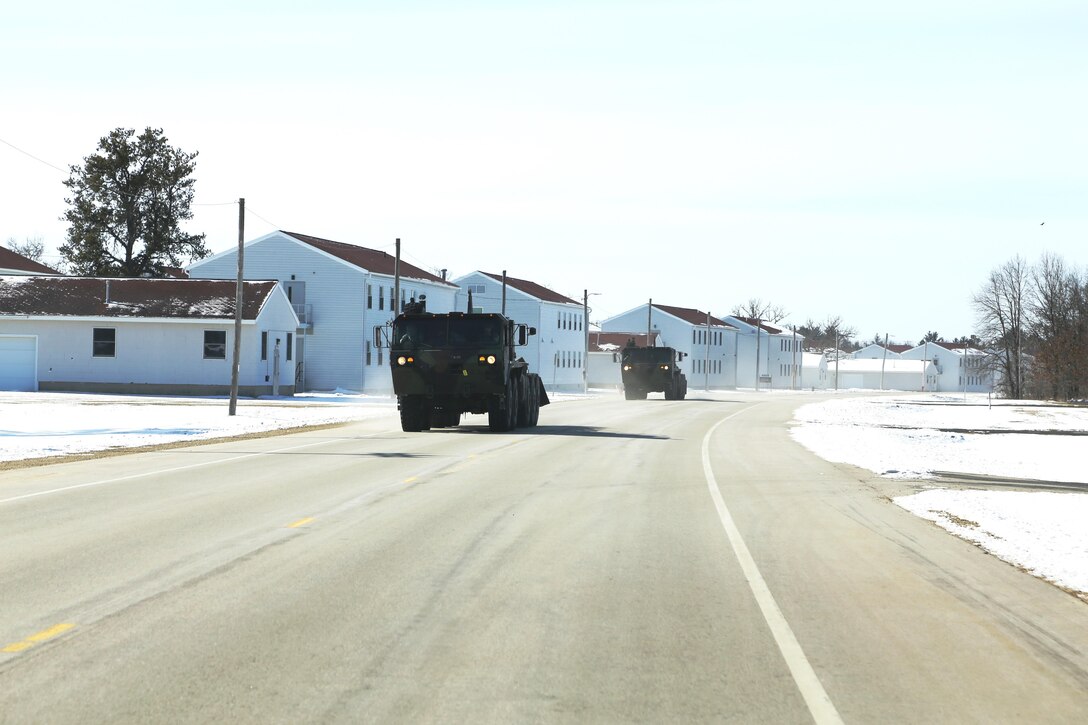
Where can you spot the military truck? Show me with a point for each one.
(652, 370)
(452, 363)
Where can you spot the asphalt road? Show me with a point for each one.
(626, 561)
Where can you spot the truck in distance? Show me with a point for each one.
(652, 370)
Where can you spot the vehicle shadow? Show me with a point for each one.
(574, 431)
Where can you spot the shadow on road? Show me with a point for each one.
(575, 431)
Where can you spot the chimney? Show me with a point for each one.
(444, 275)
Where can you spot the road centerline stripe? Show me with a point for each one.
(300, 523)
(44, 635)
(816, 698)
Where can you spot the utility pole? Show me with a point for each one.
(585, 326)
(649, 323)
(504, 293)
(237, 366)
(396, 281)
(758, 324)
(706, 361)
(884, 361)
(793, 380)
(838, 354)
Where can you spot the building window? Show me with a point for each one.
(368, 353)
(215, 344)
(381, 297)
(104, 342)
(476, 289)
(379, 357)
(264, 345)
(370, 296)
(290, 345)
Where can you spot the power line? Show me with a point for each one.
(27, 153)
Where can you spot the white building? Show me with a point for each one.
(558, 350)
(881, 374)
(873, 351)
(814, 375)
(958, 368)
(709, 345)
(144, 336)
(774, 354)
(341, 292)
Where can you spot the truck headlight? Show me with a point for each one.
(487, 359)
(626, 367)
(404, 360)
(664, 367)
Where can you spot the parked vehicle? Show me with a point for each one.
(452, 363)
(652, 370)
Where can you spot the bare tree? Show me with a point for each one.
(32, 248)
(1000, 306)
(1058, 325)
(757, 309)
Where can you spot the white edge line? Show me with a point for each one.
(157, 472)
(819, 704)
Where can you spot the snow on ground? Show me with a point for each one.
(35, 425)
(914, 436)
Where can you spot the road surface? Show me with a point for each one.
(626, 561)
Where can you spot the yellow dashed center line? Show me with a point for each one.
(44, 635)
(300, 522)
(410, 479)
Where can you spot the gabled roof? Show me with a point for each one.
(372, 260)
(900, 349)
(617, 340)
(16, 262)
(694, 317)
(124, 298)
(533, 289)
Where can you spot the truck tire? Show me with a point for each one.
(502, 413)
(670, 391)
(525, 401)
(414, 414)
(535, 386)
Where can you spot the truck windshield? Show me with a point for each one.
(436, 332)
(647, 354)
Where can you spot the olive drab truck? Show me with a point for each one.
(652, 370)
(448, 364)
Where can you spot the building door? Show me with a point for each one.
(18, 362)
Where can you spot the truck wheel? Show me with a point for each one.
(502, 413)
(414, 415)
(670, 392)
(534, 397)
(525, 403)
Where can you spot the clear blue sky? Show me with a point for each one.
(869, 160)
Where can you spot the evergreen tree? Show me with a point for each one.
(127, 202)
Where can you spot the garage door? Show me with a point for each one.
(18, 363)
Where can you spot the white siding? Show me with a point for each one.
(18, 362)
(334, 348)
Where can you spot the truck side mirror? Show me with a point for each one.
(378, 336)
(615, 357)
(523, 334)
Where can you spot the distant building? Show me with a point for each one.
(771, 352)
(874, 351)
(881, 374)
(957, 367)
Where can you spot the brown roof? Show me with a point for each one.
(618, 339)
(899, 349)
(695, 317)
(14, 260)
(372, 260)
(86, 297)
(532, 288)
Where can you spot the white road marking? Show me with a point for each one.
(819, 704)
(156, 472)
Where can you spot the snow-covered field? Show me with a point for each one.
(910, 437)
(921, 436)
